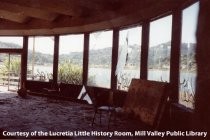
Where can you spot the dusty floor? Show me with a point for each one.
(42, 114)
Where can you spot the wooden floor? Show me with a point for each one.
(42, 114)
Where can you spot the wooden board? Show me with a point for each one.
(146, 99)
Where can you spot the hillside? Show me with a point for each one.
(157, 54)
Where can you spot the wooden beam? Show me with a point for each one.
(28, 11)
(85, 58)
(55, 59)
(11, 51)
(202, 111)
(114, 58)
(66, 7)
(15, 17)
(175, 54)
(144, 50)
(24, 58)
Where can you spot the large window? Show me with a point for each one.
(10, 63)
(40, 58)
(187, 58)
(128, 65)
(100, 57)
(71, 59)
(159, 49)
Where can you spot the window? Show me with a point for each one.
(71, 59)
(10, 63)
(128, 65)
(10, 71)
(40, 58)
(188, 65)
(159, 49)
(11, 42)
(100, 56)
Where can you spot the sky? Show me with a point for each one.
(160, 31)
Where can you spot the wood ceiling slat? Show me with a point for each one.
(66, 7)
(14, 17)
(28, 11)
(95, 19)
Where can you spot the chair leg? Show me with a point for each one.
(93, 118)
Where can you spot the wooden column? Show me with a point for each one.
(144, 50)
(85, 58)
(24, 57)
(202, 94)
(114, 58)
(55, 59)
(175, 54)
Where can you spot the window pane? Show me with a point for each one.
(11, 42)
(9, 71)
(188, 64)
(159, 49)
(128, 65)
(100, 56)
(40, 58)
(71, 59)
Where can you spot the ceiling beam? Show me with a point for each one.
(66, 7)
(15, 17)
(28, 11)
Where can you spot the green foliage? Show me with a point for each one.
(12, 66)
(70, 73)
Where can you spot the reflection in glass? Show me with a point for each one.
(128, 65)
(70, 59)
(188, 64)
(159, 49)
(40, 58)
(100, 56)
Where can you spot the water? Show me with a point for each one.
(102, 76)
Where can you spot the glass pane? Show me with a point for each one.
(128, 65)
(100, 56)
(10, 66)
(159, 49)
(11, 42)
(40, 58)
(188, 66)
(71, 59)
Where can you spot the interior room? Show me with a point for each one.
(75, 69)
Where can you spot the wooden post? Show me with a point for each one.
(85, 58)
(175, 54)
(55, 59)
(202, 94)
(114, 58)
(144, 50)
(24, 57)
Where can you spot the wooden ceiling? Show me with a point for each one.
(43, 17)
